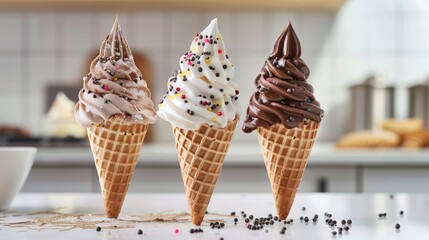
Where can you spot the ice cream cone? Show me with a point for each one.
(115, 146)
(285, 154)
(201, 154)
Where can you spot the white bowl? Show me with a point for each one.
(15, 164)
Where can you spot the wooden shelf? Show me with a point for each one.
(134, 5)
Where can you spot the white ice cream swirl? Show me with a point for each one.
(202, 91)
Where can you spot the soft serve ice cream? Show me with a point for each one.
(201, 105)
(59, 121)
(283, 94)
(114, 86)
(116, 108)
(202, 91)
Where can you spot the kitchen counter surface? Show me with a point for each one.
(36, 216)
(323, 154)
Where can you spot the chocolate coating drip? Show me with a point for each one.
(283, 94)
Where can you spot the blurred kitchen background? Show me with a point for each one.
(46, 48)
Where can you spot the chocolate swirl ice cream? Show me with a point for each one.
(114, 86)
(283, 94)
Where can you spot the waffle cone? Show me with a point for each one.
(285, 154)
(115, 146)
(201, 154)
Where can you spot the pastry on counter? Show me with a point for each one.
(201, 105)
(59, 122)
(418, 139)
(286, 115)
(402, 127)
(14, 131)
(369, 139)
(115, 107)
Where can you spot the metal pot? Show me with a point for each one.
(418, 96)
(371, 102)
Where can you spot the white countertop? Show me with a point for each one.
(239, 154)
(363, 209)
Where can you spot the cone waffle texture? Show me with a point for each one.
(201, 154)
(285, 154)
(115, 146)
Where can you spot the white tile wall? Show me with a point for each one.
(250, 31)
(341, 48)
(183, 26)
(150, 31)
(11, 30)
(35, 106)
(415, 33)
(10, 108)
(414, 7)
(312, 29)
(77, 31)
(10, 75)
(43, 34)
(41, 71)
(73, 66)
(383, 34)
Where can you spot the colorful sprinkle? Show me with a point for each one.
(183, 96)
(206, 40)
(176, 230)
(219, 51)
(219, 114)
(178, 89)
(118, 67)
(105, 87)
(196, 39)
(207, 60)
(213, 119)
(184, 73)
(237, 92)
(115, 79)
